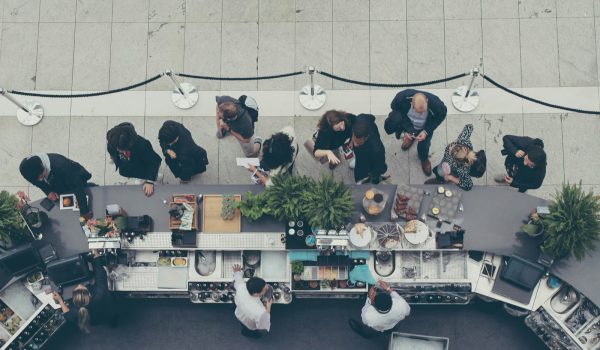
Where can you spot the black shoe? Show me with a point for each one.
(357, 327)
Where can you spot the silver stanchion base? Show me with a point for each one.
(315, 101)
(183, 101)
(465, 104)
(30, 119)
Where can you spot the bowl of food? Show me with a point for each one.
(164, 261)
(448, 193)
(435, 210)
(179, 262)
(441, 189)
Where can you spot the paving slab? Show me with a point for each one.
(54, 64)
(463, 47)
(313, 10)
(87, 145)
(548, 128)
(58, 10)
(390, 10)
(91, 67)
(537, 9)
(111, 176)
(277, 10)
(424, 9)
(203, 11)
(15, 141)
(203, 132)
(239, 54)
(499, 9)
(389, 60)
(539, 52)
(128, 54)
(203, 53)
(276, 54)
(350, 53)
(577, 53)
(501, 51)
(94, 11)
(455, 124)
(498, 126)
(575, 8)
(426, 51)
(462, 9)
(314, 46)
(130, 11)
(51, 136)
(18, 58)
(165, 51)
(580, 144)
(350, 10)
(160, 11)
(21, 11)
(240, 11)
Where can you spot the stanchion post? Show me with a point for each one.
(312, 97)
(184, 95)
(29, 113)
(465, 98)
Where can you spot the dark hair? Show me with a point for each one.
(255, 285)
(383, 302)
(332, 117)
(361, 128)
(122, 137)
(168, 132)
(31, 168)
(276, 151)
(537, 155)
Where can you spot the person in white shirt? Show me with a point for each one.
(254, 316)
(383, 310)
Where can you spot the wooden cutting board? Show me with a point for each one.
(211, 215)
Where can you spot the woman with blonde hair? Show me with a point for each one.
(456, 164)
(334, 130)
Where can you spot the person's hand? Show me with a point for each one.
(87, 216)
(407, 137)
(223, 125)
(148, 189)
(385, 286)
(332, 158)
(172, 153)
(53, 196)
(520, 154)
(251, 168)
(508, 179)
(57, 297)
(237, 268)
(422, 136)
(268, 305)
(372, 294)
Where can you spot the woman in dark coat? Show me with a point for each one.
(183, 156)
(525, 163)
(334, 130)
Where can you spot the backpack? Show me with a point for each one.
(250, 105)
(479, 166)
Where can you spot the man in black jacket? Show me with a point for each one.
(183, 156)
(416, 114)
(55, 174)
(525, 162)
(368, 150)
(133, 155)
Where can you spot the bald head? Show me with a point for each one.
(419, 102)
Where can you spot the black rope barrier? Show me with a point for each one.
(238, 78)
(576, 110)
(431, 82)
(91, 94)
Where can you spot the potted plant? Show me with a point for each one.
(297, 270)
(573, 224)
(534, 227)
(328, 204)
(252, 206)
(285, 199)
(12, 225)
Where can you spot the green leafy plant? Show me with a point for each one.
(285, 198)
(252, 206)
(227, 207)
(328, 204)
(573, 224)
(297, 267)
(12, 225)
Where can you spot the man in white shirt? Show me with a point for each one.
(382, 311)
(254, 316)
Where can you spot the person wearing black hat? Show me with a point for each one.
(369, 151)
(382, 311)
(183, 156)
(133, 155)
(55, 174)
(525, 163)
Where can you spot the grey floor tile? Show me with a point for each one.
(165, 50)
(351, 53)
(166, 11)
(575, 8)
(94, 10)
(548, 128)
(545, 192)
(313, 10)
(130, 11)
(15, 141)
(21, 10)
(424, 9)
(276, 54)
(537, 8)
(240, 10)
(112, 176)
(597, 8)
(539, 52)
(455, 124)
(277, 10)
(500, 9)
(497, 126)
(314, 46)
(577, 52)
(426, 51)
(597, 29)
(203, 10)
(18, 55)
(389, 60)
(239, 55)
(579, 140)
(436, 152)
(462, 9)
(306, 164)
(55, 61)
(203, 53)
(87, 145)
(91, 68)
(128, 54)
(51, 136)
(463, 52)
(58, 10)
(391, 10)
(151, 127)
(501, 51)
(203, 132)
(350, 10)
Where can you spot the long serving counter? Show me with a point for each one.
(423, 274)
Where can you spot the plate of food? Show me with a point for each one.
(416, 232)
(179, 262)
(164, 261)
(360, 235)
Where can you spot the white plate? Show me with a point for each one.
(420, 236)
(357, 240)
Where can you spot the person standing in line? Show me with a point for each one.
(254, 316)
(183, 156)
(368, 150)
(278, 156)
(382, 311)
(525, 163)
(416, 114)
(133, 155)
(334, 130)
(237, 118)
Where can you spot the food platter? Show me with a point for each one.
(179, 262)
(388, 235)
(420, 233)
(362, 239)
